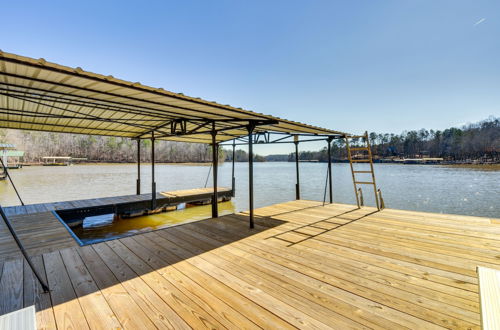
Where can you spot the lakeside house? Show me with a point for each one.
(11, 158)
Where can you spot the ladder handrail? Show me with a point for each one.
(371, 167)
(45, 287)
(352, 170)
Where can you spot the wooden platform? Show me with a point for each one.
(41, 232)
(303, 266)
(128, 201)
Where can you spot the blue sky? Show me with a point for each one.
(383, 66)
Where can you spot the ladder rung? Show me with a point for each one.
(362, 171)
(363, 182)
(360, 160)
(359, 148)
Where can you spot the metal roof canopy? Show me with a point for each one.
(43, 96)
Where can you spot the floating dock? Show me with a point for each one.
(123, 204)
(304, 265)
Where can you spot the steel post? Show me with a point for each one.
(251, 127)
(215, 161)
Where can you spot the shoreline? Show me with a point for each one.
(489, 167)
(142, 163)
(495, 166)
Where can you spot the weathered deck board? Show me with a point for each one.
(34, 296)
(304, 265)
(168, 196)
(41, 232)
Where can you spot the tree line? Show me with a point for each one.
(103, 148)
(478, 141)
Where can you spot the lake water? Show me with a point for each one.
(410, 187)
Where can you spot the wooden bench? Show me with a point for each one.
(489, 293)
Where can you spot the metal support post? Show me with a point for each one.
(153, 183)
(297, 185)
(215, 160)
(250, 128)
(138, 184)
(330, 168)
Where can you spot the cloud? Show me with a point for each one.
(480, 21)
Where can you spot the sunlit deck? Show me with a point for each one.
(304, 265)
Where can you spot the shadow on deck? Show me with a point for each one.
(303, 266)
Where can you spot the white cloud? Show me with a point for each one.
(480, 21)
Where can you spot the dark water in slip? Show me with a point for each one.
(410, 187)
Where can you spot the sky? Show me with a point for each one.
(383, 66)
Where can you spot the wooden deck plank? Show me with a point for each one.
(67, 310)
(11, 286)
(41, 232)
(127, 310)
(255, 312)
(325, 307)
(34, 295)
(335, 266)
(162, 315)
(95, 307)
(297, 274)
(161, 196)
(195, 292)
(292, 315)
(188, 310)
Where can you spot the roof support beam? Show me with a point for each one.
(208, 132)
(276, 142)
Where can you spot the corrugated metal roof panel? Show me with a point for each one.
(38, 95)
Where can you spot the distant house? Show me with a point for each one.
(15, 158)
(6, 150)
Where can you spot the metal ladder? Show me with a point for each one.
(367, 159)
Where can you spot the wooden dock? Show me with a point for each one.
(41, 231)
(122, 203)
(303, 266)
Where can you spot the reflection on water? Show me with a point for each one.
(426, 188)
(103, 227)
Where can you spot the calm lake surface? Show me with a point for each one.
(409, 187)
